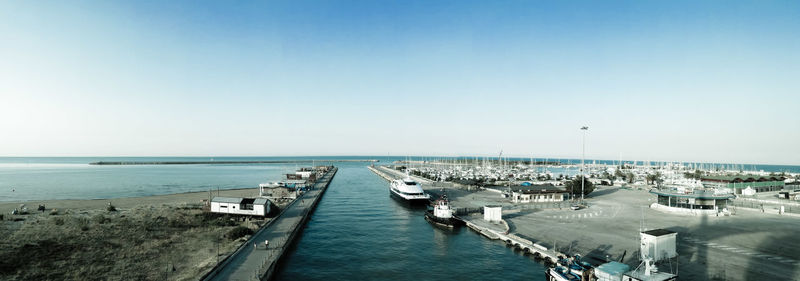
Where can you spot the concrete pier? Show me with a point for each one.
(392, 174)
(500, 231)
(256, 261)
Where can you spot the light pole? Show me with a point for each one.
(583, 156)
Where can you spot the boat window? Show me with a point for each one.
(411, 183)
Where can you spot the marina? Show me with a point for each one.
(552, 229)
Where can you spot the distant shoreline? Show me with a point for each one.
(226, 162)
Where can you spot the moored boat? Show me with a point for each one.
(408, 190)
(442, 213)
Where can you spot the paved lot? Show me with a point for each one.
(749, 245)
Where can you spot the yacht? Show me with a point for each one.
(409, 191)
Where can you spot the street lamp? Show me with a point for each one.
(583, 156)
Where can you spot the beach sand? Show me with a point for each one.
(148, 238)
(127, 203)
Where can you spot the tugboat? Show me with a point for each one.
(442, 214)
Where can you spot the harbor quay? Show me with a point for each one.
(257, 258)
(745, 242)
(492, 229)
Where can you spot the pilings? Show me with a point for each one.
(512, 240)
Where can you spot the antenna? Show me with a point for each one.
(642, 223)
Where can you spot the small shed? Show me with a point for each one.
(493, 213)
(658, 244)
(241, 206)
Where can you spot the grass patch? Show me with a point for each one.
(136, 244)
(239, 232)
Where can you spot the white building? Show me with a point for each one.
(658, 244)
(241, 206)
(538, 193)
(493, 213)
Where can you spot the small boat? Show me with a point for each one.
(570, 269)
(561, 273)
(442, 213)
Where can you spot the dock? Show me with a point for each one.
(256, 261)
(391, 174)
(500, 231)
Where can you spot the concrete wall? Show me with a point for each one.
(683, 211)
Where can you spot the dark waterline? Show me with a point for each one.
(359, 233)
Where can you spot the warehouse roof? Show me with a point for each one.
(742, 178)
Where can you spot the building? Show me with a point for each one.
(493, 213)
(736, 184)
(537, 193)
(241, 206)
(690, 201)
(658, 244)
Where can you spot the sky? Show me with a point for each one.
(699, 81)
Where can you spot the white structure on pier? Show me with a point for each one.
(658, 244)
(493, 213)
(241, 206)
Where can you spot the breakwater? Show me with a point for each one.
(256, 260)
(226, 162)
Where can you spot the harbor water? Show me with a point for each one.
(359, 233)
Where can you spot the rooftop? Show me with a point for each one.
(698, 194)
(658, 232)
(742, 178)
(538, 188)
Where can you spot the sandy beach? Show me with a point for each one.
(127, 203)
(134, 242)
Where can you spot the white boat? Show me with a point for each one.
(409, 191)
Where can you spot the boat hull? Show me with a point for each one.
(449, 223)
(415, 201)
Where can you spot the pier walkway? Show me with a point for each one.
(258, 262)
(390, 174)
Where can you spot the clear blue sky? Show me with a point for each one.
(715, 81)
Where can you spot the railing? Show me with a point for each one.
(766, 207)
